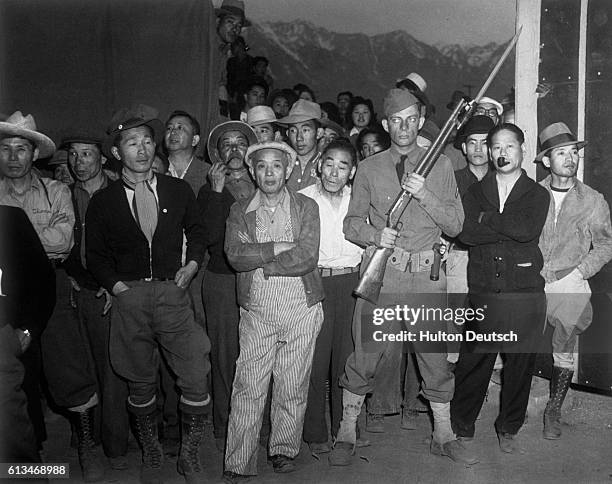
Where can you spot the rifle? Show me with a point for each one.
(371, 280)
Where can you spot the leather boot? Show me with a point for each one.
(90, 457)
(145, 427)
(559, 384)
(344, 446)
(189, 465)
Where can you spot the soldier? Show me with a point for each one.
(436, 210)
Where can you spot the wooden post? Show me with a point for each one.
(526, 77)
(582, 47)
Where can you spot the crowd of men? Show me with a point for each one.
(186, 283)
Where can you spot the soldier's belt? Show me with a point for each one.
(404, 261)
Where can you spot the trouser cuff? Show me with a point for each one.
(92, 402)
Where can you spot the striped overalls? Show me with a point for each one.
(277, 337)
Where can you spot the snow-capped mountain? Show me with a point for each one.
(330, 62)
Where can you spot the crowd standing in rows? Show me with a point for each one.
(184, 282)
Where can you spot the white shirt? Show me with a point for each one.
(504, 188)
(174, 173)
(334, 250)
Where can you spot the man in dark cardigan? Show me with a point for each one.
(134, 246)
(504, 215)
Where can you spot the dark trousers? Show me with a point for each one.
(67, 362)
(472, 376)
(334, 345)
(113, 389)
(152, 314)
(17, 441)
(32, 386)
(523, 313)
(222, 318)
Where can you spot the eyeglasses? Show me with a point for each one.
(487, 112)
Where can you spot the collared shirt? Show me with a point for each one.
(274, 219)
(41, 201)
(334, 250)
(174, 173)
(504, 187)
(375, 188)
(465, 179)
(301, 179)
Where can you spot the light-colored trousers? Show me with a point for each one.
(569, 311)
(277, 338)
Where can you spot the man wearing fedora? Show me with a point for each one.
(230, 20)
(93, 302)
(304, 128)
(263, 121)
(436, 209)
(576, 242)
(229, 181)
(134, 243)
(272, 240)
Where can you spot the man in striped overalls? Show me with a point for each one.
(272, 240)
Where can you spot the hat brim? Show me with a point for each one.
(272, 145)
(155, 124)
(215, 134)
(220, 11)
(80, 139)
(328, 123)
(542, 154)
(296, 118)
(263, 121)
(45, 145)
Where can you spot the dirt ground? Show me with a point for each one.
(583, 455)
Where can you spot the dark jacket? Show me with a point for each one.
(504, 252)
(299, 261)
(214, 209)
(117, 250)
(27, 284)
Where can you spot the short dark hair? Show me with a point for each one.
(344, 145)
(344, 93)
(518, 132)
(119, 135)
(300, 88)
(332, 111)
(381, 135)
(256, 81)
(194, 122)
(357, 100)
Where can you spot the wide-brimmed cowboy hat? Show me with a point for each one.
(272, 145)
(233, 7)
(260, 115)
(301, 111)
(18, 125)
(555, 136)
(215, 134)
(133, 117)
